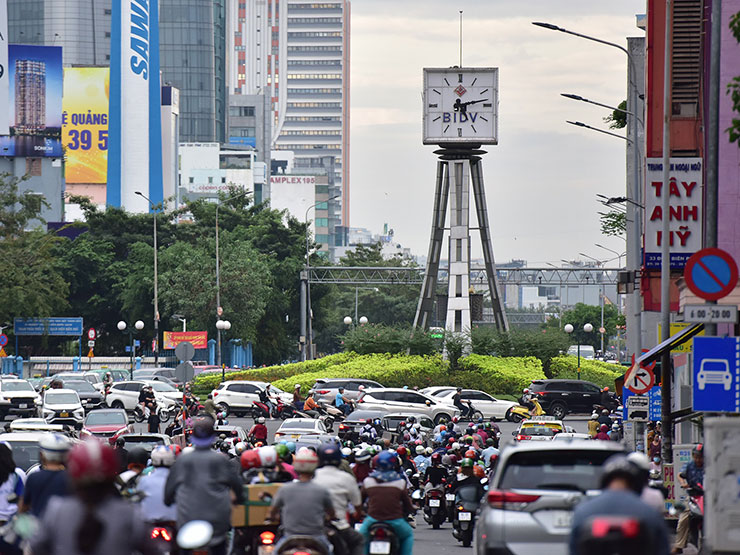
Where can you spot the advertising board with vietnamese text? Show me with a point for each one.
(85, 124)
(172, 339)
(685, 188)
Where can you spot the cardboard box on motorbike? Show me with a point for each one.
(257, 501)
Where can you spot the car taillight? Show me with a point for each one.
(267, 537)
(521, 437)
(434, 494)
(498, 499)
(322, 391)
(541, 393)
(342, 427)
(161, 533)
(215, 393)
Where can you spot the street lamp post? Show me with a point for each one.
(156, 288)
(131, 330)
(182, 320)
(588, 328)
(357, 300)
(307, 309)
(221, 325)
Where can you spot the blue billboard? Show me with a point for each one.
(48, 326)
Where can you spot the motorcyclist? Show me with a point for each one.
(258, 432)
(210, 406)
(264, 396)
(153, 509)
(435, 474)
(406, 462)
(605, 418)
(615, 434)
(388, 501)
(466, 478)
(603, 433)
(361, 468)
(310, 406)
(691, 476)
(455, 427)
(421, 460)
(297, 401)
(369, 429)
(606, 399)
(94, 519)
(651, 496)
(51, 479)
(301, 506)
(344, 492)
(207, 496)
(147, 399)
(488, 452)
(622, 486)
(343, 403)
(457, 400)
(107, 382)
(128, 481)
(593, 425)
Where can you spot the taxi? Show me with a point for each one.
(542, 428)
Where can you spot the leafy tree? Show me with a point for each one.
(733, 87)
(16, 209)
(618, 118)
(613, 224)
(582, 314)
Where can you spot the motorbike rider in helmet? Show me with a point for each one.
(153, 509)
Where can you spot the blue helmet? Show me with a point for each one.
(329, 454)
(386, 461)
(290, 445)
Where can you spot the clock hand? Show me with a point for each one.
(473, 102)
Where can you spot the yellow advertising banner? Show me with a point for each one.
(676, 327)
(85, 124)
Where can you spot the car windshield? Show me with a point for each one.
(298, 425)
(104, 417)
(52, 398)
(17, 385)
(25, 453)
(564, 470)
(80, 386)
(162, 387)
(363, 415)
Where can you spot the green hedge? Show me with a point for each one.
(498, 375)
(495, 375)
(600, 373)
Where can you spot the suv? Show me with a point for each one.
(22, 397)
(533, 493)
(560, 397)
(156, 374)
(326, 389)
(62, 406)
(406, 401)
(125, 395)
(237, 396)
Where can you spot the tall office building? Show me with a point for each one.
(297, 52)
(80, 27)
(30, 97)
(192, 56)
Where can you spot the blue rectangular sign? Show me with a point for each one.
(48, 326)
(716, 374)
(655, 395)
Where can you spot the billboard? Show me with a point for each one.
(135, 123)
(172, 339)
(85, 124)
(4, 125)
(685, 188)
(35, 101)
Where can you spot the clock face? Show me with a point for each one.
(461, 106)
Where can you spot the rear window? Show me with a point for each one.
(557, 470)
(299, 425)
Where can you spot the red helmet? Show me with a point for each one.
(402, 423)
(92, 462)
(604, 427)
(250, 459)
(402, 451)
(436, 458)
(451, 440)
(471, 454)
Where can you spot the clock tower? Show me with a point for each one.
(460, 115)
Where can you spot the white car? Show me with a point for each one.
(406, 401)
(486, 404)
(295, 429)
(437, 390)
(62, 406)
(237, 396)
(714, 371)
(125, 395)
(163, 389)
(22, 396)
(92, 377)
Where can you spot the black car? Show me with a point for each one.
(90, 397)
(560, 397)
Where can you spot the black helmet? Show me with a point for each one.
(329, 454)
(698, 449)
(138, 455)
(619, 466)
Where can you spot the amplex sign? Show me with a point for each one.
(685, 190)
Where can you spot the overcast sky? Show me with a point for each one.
(542, 178)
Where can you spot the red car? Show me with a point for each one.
(108, 423)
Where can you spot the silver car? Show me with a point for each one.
(406, 401)
(533, 493)
(326, 389)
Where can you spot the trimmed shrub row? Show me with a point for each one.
(498, 375)
(600, 373)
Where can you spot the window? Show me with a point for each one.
(33, 167)
(322, 239)
(191, 180)
(322, 222)
(107, 11)
(410, 397)
(241, 111)
(210, 179)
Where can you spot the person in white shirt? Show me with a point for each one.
(153, 509)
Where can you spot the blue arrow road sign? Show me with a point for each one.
(655, 395)
(716, 374)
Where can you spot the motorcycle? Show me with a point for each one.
(696, 515)
(435, 509)
(466, 509)
(262, 409)
(307, 545)
(383, 540)
(517, 413)
(330, 410)
(163, 535)
(470, 413)
(140, 416)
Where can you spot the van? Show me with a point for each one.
(587, 351)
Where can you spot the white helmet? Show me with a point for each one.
(428, 451)
(163, 456)
(455, 446)
(54, 447)
(305, 460)
(346, 452)
(419, 449)
(239, 448)
(297, 386)
(261, 420)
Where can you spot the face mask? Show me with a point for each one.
(656, 460)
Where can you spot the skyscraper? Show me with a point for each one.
(298, 53)
(30, 97)
(192, 44)
(80, 27)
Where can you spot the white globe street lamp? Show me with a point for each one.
(222, 325)
(121, 325)
(347, 320)
(363, 320)
(588, 328)
(568, 328)
(139, 325)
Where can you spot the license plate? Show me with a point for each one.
(295, 436)
(434, 502)
(64, 414)
(464, 516)
(562, 519)
(265, 549)
(23, 405)
(450, 497)
(380, 548)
